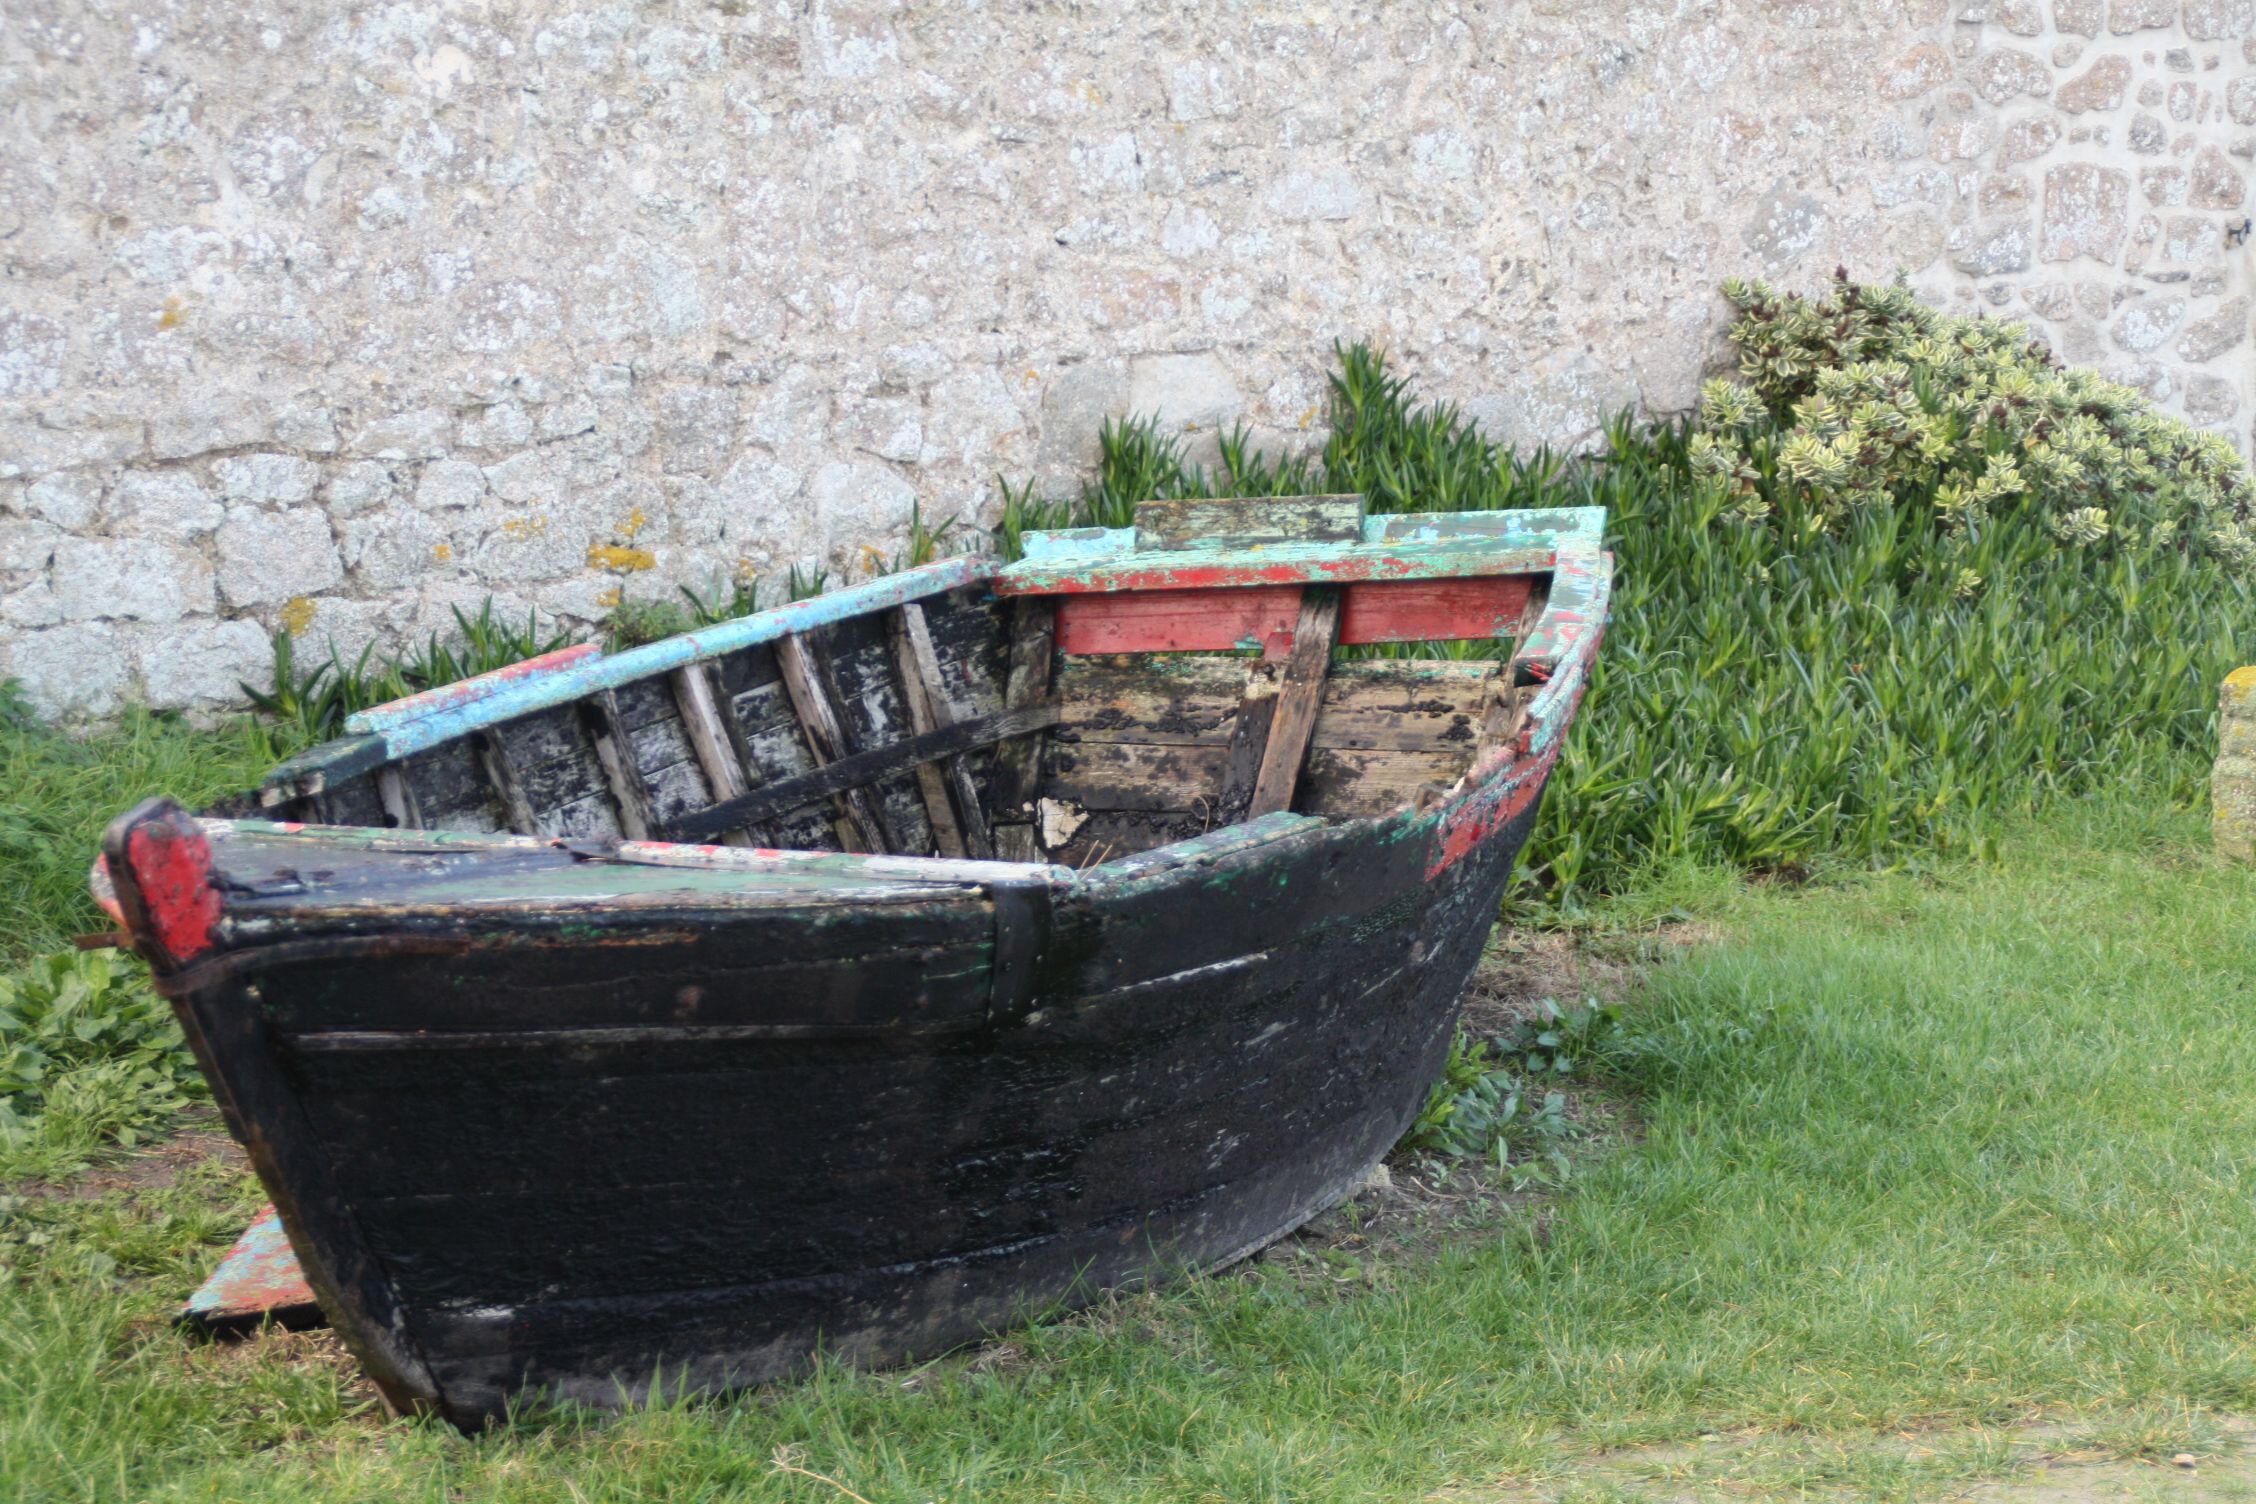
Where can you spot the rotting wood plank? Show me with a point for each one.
(718, 752)
(398, 800)
(1220, 524)
(1350, 783)
(858, 770)
(803, 680)
(921, 672)
(1298, 699)
(621, 776)
(861, 672)
(493, 757)
(1409, 705)
(932, 784)
(1185, 700)
(1249, 737)
(1136, 775)
(449, 789)
(1017, 768)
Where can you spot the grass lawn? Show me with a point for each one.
(1924, 1160)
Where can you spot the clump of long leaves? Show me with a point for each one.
(1807, 680)
(311, 702)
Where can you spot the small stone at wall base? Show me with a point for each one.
(2232, 787)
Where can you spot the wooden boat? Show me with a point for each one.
(861, 976)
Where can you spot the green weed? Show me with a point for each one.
(89, 1054)
(62, 790)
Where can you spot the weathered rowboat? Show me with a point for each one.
(863, 975)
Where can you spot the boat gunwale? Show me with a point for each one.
(1568, 624)
(1536, 542)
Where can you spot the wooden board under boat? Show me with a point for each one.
(864, 975)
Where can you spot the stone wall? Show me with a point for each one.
(2094, 156)
(338, 317)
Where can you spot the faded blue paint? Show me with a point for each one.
(1562, 639)
(1512, 530)
(463, 691)
(575, 681)
(260, 1273)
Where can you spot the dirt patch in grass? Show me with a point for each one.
(201, 1139)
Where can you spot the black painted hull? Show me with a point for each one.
(580, 1159)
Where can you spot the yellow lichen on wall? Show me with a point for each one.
(297, 615)
(612, 556)
(2232, 787)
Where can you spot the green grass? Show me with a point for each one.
(1957, 1149)
(61, 791)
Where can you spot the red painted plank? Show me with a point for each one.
(171, 865)
(1208, 621)
(1177, 621)
(1434, 610)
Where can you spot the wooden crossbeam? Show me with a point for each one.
(851, 774)
(806, 680)
(1249, 736)
(1298, 699)
(615, 752)
(714, 739)
(1013, 781)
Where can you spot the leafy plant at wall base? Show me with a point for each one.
(314, 702)
(83, 1036)
(633, 623)
(16, 713)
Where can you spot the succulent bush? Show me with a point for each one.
(1866, 397)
